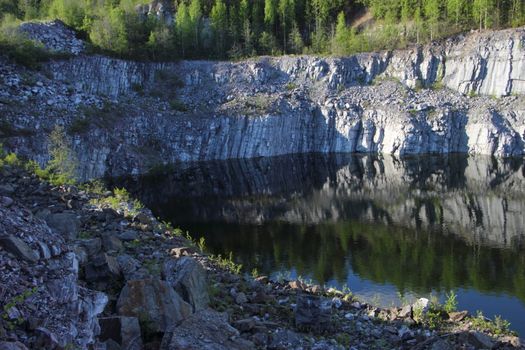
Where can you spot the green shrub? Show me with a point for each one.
(290, 86)
(62, 167)
(17, 300)
(18, 47)
(71, 12)
(120, 200)
(109, 31)
(499, 326)
(169, 78)
(79, 126)
(178, 105)
(227, 263)
(34, 168)
(11, 159)
(451, 304)
(104, 117)
(63, 164)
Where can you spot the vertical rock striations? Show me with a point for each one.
(129, 117)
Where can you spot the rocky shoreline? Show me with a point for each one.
(86, 268)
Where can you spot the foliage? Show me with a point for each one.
(110, 32)
(451, 304)
(219, 25)
(17, 300)
(178, 105)
(290, 86)
(120, 200)
(498, 327)
(71, 12)
(79, 125)
(240, 28)
(153, 267)
(11, 159)
(62, 167)
(201, 244)
(168, 229)
(227, 263)
(17, 46)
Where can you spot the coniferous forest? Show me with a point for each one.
(234, 29)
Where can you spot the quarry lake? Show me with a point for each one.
(386, 227)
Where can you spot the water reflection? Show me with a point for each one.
(414, 225)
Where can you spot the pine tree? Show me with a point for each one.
(183, 27)
(195, 13)
(340, 41)
(244, 11)
(109, 32)
(406, 14)
(296, 40)
(432, 14)
(481, 10)
(418, 21)
(406, 11)
(286, 10)
(517, 14)
(219, 24)
(270, 11)
(235, 24)
(247, 34)
(257, 18)
(268, 43)
(63, 165)
(455, 8)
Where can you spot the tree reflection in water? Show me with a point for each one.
(421, 224)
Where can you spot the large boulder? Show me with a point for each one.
(154, 302)
(205, 330)
(312, 314)
(102, 267)
(188, 278)
(480, 340)
(19, 248)
(112, 243)
(92, 246)
(131, 268)
(67, 224)
(4, 345)
(125, 331)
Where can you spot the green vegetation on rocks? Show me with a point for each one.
(258, 312)
(17, 46)
(240, 28)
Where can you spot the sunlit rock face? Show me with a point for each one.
(490, 63)
(126, 117)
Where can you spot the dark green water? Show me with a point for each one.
(381, 225)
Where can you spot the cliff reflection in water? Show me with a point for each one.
(420, 224)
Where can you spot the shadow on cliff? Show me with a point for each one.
(322, 215)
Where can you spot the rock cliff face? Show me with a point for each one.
(490, 63)
(127, 117)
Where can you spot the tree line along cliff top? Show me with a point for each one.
(234, 29)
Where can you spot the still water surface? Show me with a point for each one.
(383, 226)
